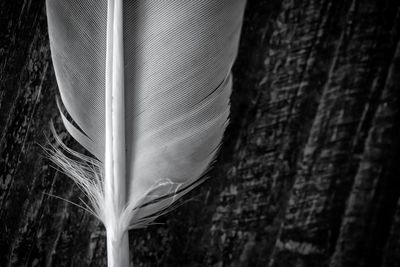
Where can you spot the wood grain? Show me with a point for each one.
(308, 173)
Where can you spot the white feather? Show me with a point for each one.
(146, 85)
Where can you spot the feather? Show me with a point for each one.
(145, 86)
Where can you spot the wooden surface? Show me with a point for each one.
(309, 173)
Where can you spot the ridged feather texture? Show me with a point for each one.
(146, 85)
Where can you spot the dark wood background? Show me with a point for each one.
(309, 174)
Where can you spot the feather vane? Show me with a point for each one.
(146, 85)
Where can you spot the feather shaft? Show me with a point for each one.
(115, 180)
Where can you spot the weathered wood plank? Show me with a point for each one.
(307, 175)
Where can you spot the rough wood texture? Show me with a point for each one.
(308, 175)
